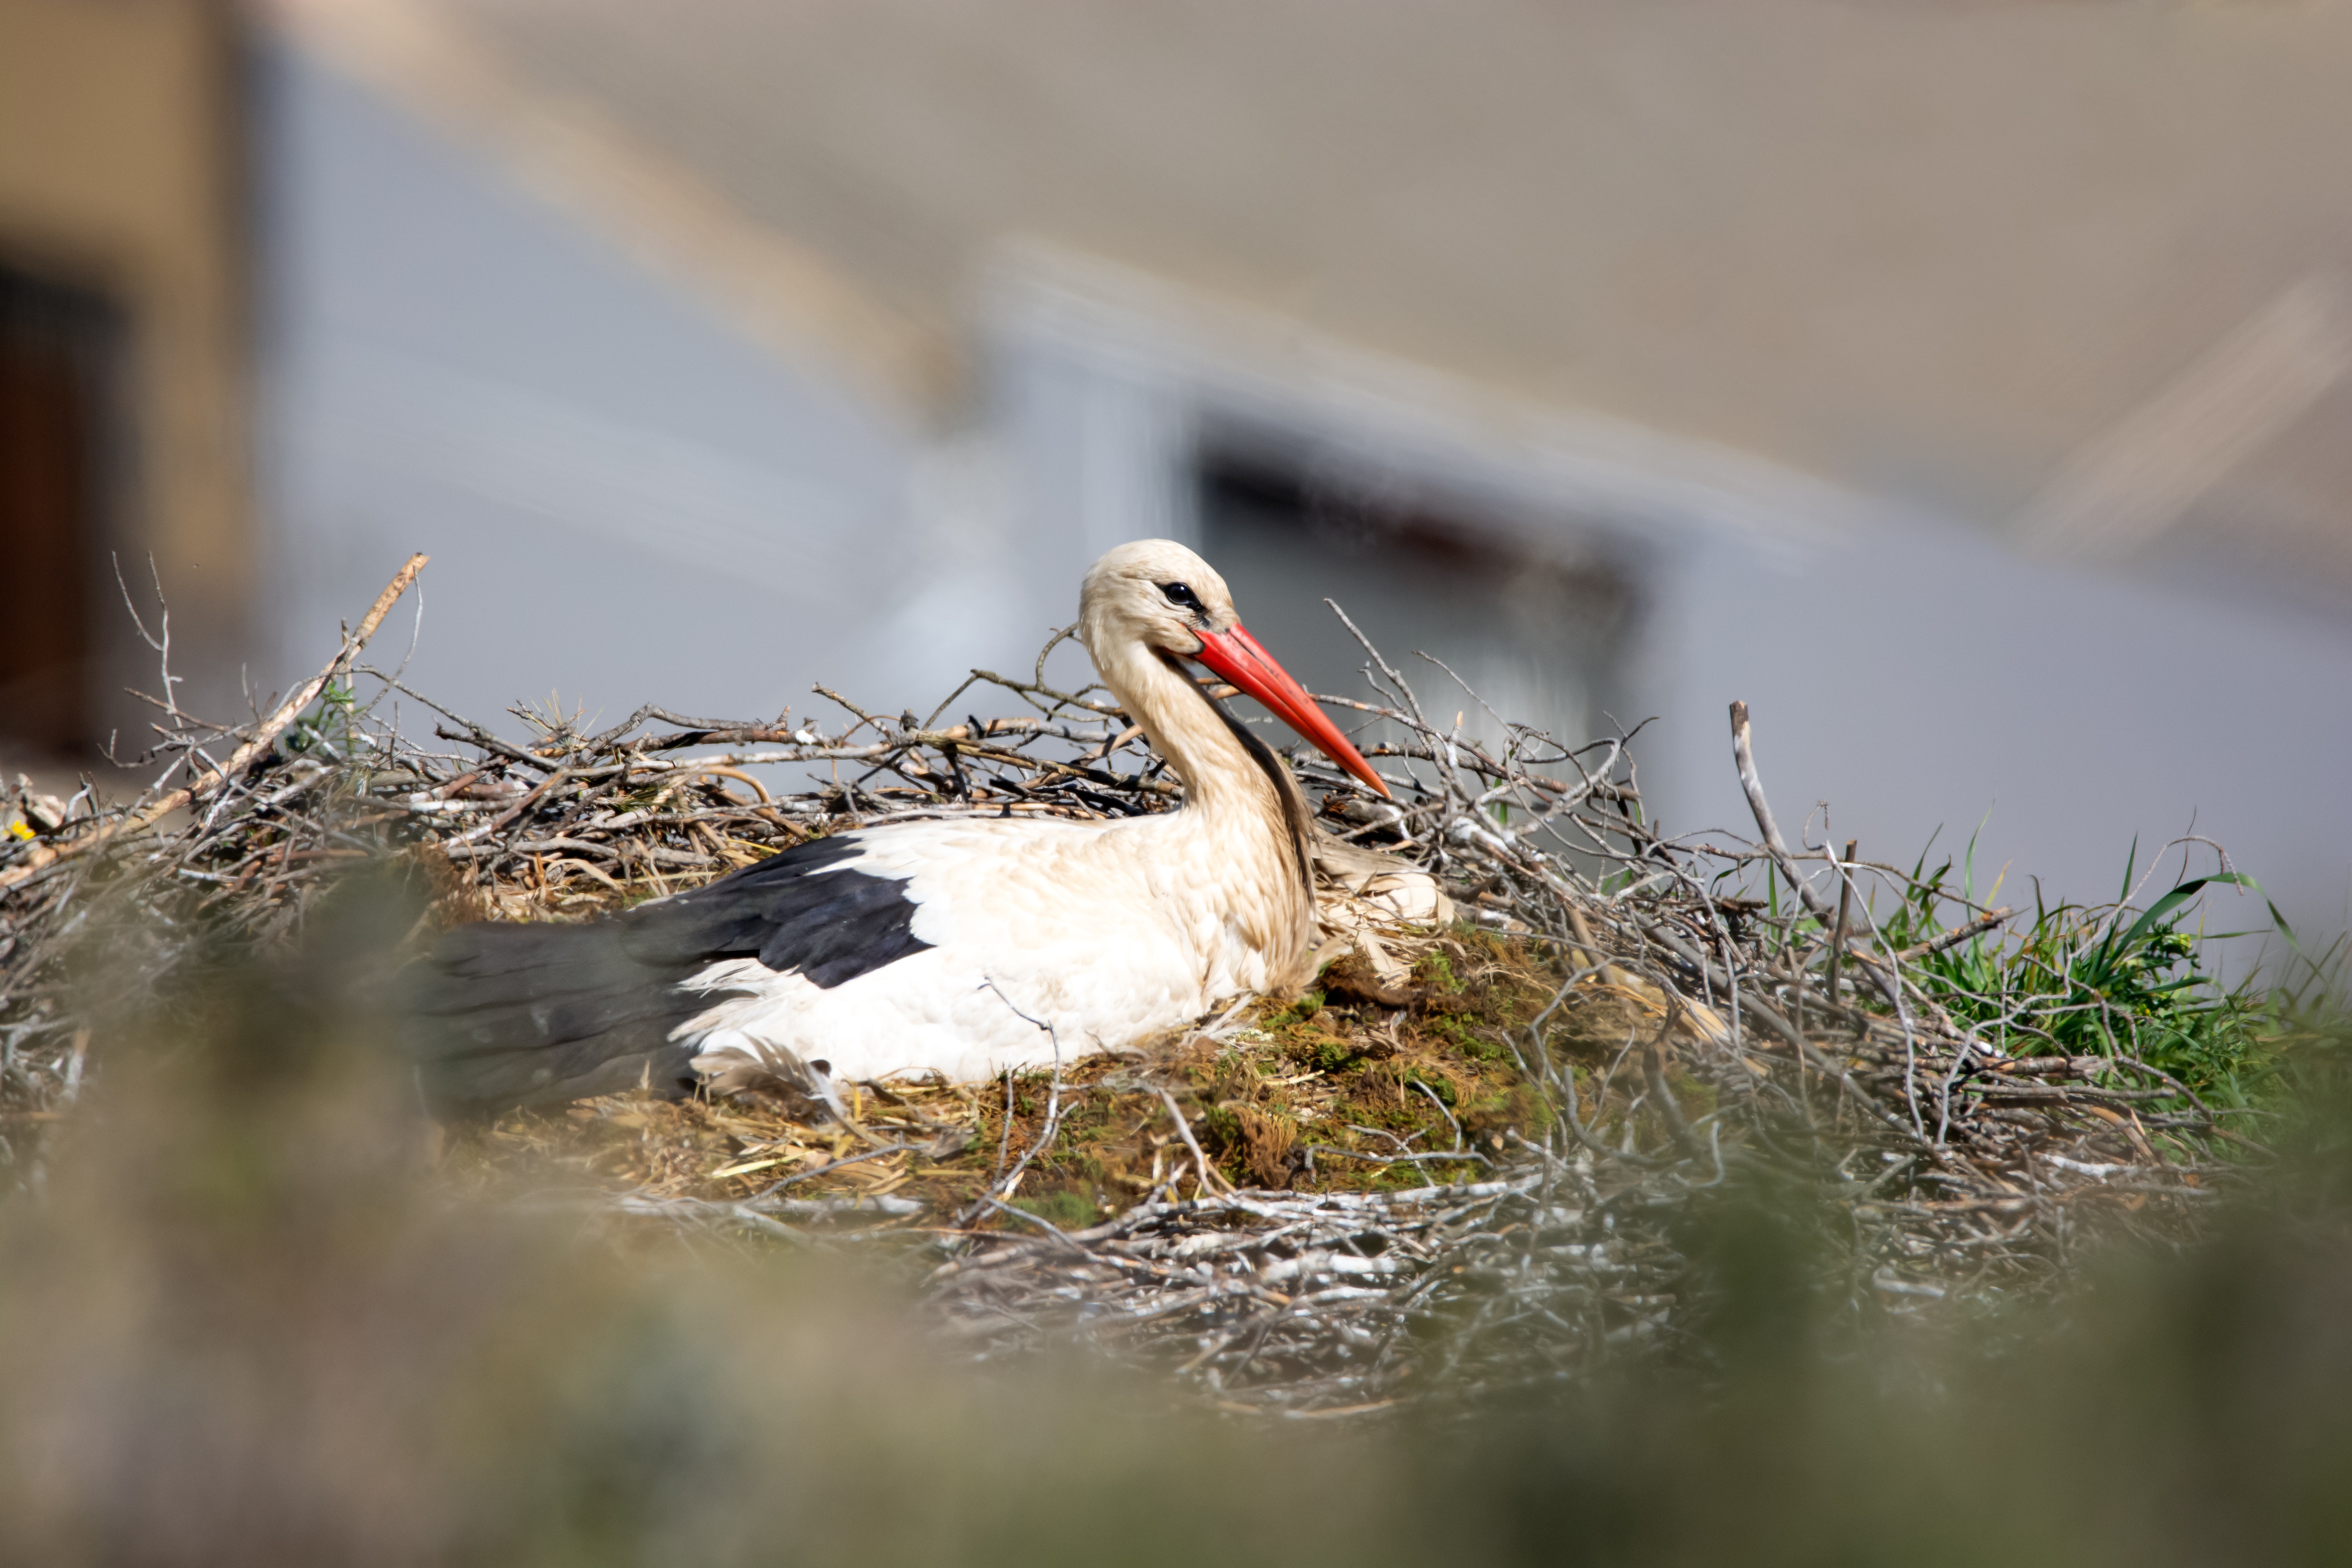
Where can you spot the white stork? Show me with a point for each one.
(963, 946)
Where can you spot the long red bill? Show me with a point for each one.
(1236, 656)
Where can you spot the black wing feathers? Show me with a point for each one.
(789, 911)
(533, 1014)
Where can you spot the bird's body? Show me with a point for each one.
(962, 946)
(1152, 944)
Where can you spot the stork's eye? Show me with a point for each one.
(1182, 593)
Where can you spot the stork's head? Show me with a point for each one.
(1156, 592)
(1155, 595)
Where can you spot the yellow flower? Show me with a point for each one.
(21, 829)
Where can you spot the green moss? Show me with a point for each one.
(1461, 1034)
(1085, 1165)
(1063, 1210)
(1299, 1012)
(1318, 1050)
(1437, 1083)
(1695, 1099)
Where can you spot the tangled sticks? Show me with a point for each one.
(1689, 1007)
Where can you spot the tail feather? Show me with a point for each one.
(533, 1014)
(503, 1015)
(576, 1070)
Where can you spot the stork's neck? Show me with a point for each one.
(1248, 805)
(1245, 805)
(1221, 777)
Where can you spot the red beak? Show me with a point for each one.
(1236, 656)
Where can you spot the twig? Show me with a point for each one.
(1745, 760)
(1208, 1177)
(1012, 1178)
(1952, 938)
(47, 855)
(1844, 907)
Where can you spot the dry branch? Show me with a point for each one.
(264, 735)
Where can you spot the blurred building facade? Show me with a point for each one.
(1962, 386)
(124, 359)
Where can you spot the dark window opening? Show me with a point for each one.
(56, 348)
(1533, 619)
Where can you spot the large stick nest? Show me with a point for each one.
(1461, 1162)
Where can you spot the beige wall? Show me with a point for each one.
(119, 157)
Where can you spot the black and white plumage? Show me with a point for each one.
(522, 1013)
(962, 946)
